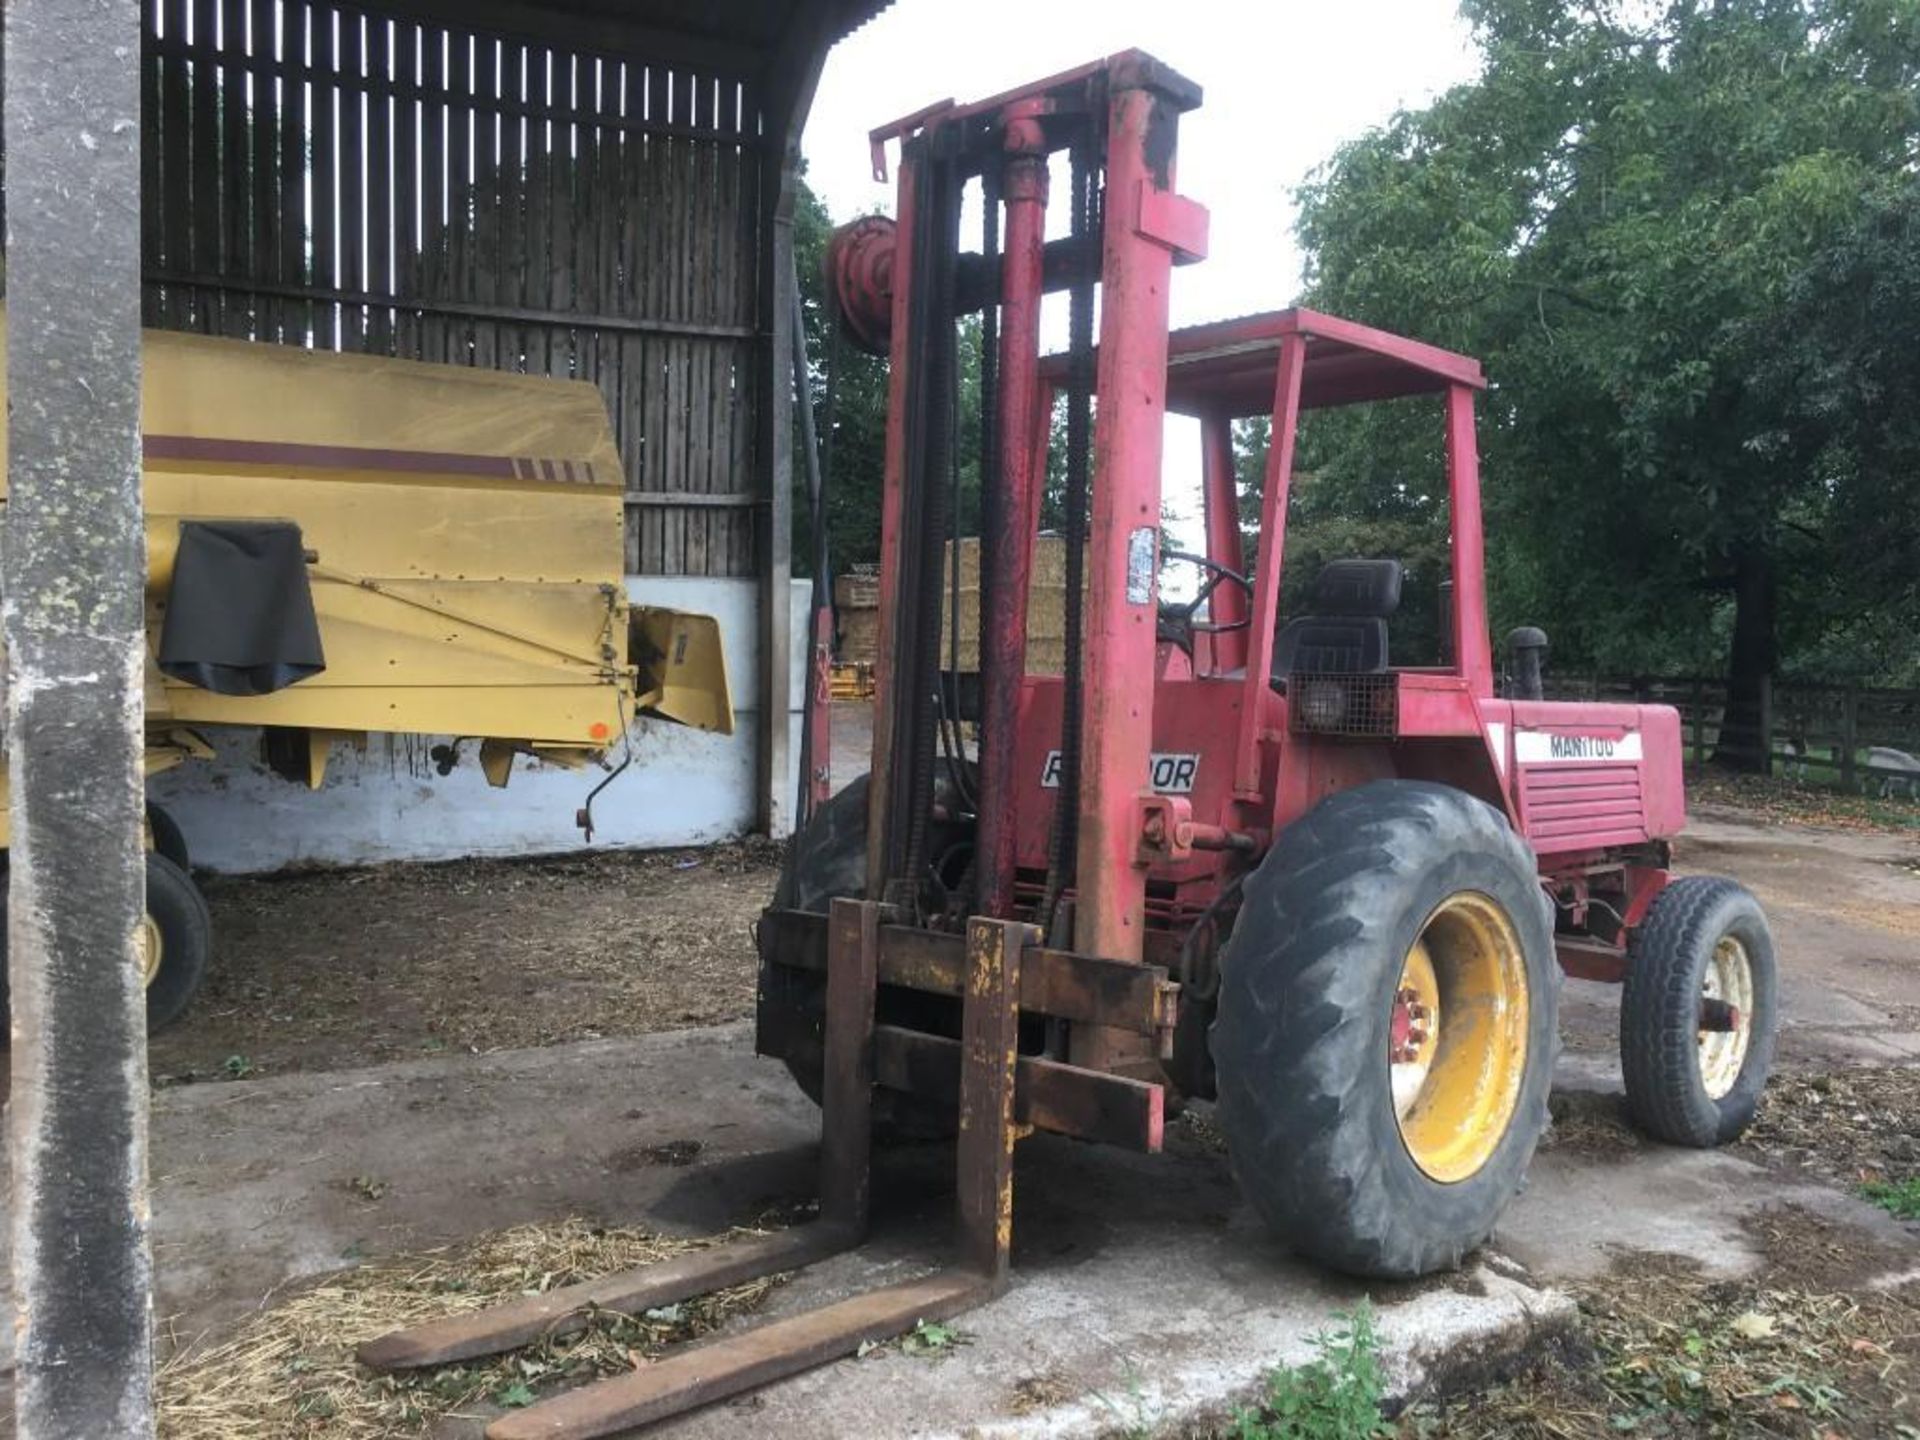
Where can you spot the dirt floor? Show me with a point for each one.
(1813, 1344)
(332, 969)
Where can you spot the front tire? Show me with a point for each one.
(1388, 1020)
(1705, 938)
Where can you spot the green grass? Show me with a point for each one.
(1899, 1198)
(1335, 1396)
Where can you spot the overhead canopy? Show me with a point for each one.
(1231, 367)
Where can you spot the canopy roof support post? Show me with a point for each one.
(786, 85)
(774, 747)
(75, 564)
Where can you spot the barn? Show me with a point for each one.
(593, 189)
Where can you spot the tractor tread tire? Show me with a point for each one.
(826, 860)
(1659, 1009)
(1305, 1096)
(828, 857)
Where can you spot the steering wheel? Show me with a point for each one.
(1181, 615)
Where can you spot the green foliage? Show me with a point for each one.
(1368, 483)
(1136, 1415)
(1899, 1198)
(516, 1396)
(855, 452)
(1685, 239)
(930, 1337)
(929, 1340)
(1335, 1396)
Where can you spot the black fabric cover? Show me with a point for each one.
(1347, 632)
(239, 611)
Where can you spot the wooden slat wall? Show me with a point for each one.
(317, 176)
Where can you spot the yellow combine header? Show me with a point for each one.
(342, 544)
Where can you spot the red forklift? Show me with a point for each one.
(1229, 854)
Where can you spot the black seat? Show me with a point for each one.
(1346, 633)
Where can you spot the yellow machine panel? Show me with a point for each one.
(464, 532)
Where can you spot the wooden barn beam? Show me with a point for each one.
(605, 31)
(75, 566)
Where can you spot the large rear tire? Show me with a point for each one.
(1705, 938)
(826, 861)
(1387, 1028)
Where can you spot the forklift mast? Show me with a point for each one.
(1117, 121)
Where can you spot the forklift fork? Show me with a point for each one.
(732, 1364)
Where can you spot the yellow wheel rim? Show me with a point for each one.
(1723, 1053)
(1457, 1041)
(153, 949)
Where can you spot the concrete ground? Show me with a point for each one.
(1144, 1293)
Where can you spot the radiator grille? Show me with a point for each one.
(1595, 804)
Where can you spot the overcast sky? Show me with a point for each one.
(1285, 83)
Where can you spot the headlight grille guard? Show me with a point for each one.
(1333, 704)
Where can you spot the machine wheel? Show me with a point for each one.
(168, 839)
(827, 860)
(179, 934)
(1704, 939)
(1388, 1020)
(176, 936)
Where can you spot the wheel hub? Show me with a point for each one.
(1413, 1019)
(1457, 1037)
(1726, 1016)
(153, 949)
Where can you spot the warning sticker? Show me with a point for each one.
(1140, 565)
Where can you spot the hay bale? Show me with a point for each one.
(857, 600)
(1046, 606)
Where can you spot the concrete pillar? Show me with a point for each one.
(74, 564)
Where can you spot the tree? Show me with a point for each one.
(1618, 215)
(1368, 483)
(856, 448)
(1842, 370)
(855, 444)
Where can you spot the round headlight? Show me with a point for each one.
(1323, 704)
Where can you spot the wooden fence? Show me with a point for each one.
(1820, 731)
(319, 176)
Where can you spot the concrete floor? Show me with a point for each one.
(1143, 1291)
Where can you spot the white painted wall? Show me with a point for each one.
(684, 787)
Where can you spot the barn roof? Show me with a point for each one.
(735, 37)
